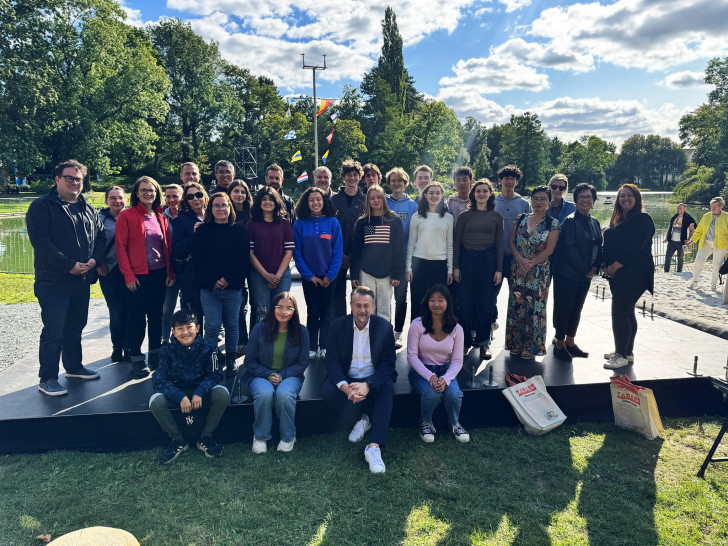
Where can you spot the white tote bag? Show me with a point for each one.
(635, 408)
(533, 406)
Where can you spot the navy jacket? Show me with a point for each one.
(573, 255)
(341, 346)
(185, 368)
(55, 242)
(259, 356)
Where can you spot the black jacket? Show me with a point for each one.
(55, 243)
(574, 250)
(221, 250)
(630, 244)
(687, 220)
(348, 215)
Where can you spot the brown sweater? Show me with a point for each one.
(478, 230)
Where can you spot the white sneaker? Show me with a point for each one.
(258, 446)
(373, 455)
(322, 354)
(312, 355)
(286, 447)
(398, 340)
(360, 428)
(461, 435)
(494, 326)
(616, 362)
(609, 356)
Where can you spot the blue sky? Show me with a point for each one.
(610, 68)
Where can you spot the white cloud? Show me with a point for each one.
(553, 55)
(494, 74)
(513, 5)
(133, 16)
(649, 34)
(685, 79)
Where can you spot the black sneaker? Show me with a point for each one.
(117, 355)
(153, 360)
(427, 431)
(562, 353)
(576, 352)
(485, 353)
(51, 388)
(209, 447)
(172, 451)
(83, 373)
(139, 368)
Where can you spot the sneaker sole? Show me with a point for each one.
(286, 449)
(80, 376)
(51, 393)
(462, 438)
(207, 454)
(177, 455)
(428, 439)
(355, 439)
(608, 356)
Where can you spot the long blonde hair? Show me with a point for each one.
(386, 211)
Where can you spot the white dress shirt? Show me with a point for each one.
(361, 355)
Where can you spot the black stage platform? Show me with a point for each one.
(112, 413)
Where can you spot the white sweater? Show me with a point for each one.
(430, 239)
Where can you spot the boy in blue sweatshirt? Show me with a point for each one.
(187, 377)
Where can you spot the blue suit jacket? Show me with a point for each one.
(341, 346)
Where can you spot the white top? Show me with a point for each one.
(361, 355)
(430, 238)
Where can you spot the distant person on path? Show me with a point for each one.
(629, 266)
(275, 362)
(68, 241)
(111, 279)
(187, 379)
(559, 207)
(372, 175)
(682, 227)
(712, 238)
(224, 174)
(577, 258)
(361, 370)
(509, 205)
(274, 179)
(349, 203)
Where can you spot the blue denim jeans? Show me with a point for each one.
(452, 397)
(261, 296)
(64, 312)
(265, 397)
(222, 307)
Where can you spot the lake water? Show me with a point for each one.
(16, 253)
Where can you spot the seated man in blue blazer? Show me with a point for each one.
(360, 362)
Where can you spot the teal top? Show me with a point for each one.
(279, 346)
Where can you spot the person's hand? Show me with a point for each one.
(270, 278)
(689, 243)
(103, 270)
(394, 282)
(132, 286)
(441, 384)
(525, 265)
(497, 278)
(359, 391)
(351, 394)
(274, 379)
(196, 402)
(326, 282)
(409, 276)
(457, 276)
(169, 282)
(591, 273)
(78, 269)
(198, 224)
(664, 240)
(276, 279)
(345, 262)
(185, 405)
(315, 280)
(433, 381)
(90, 264)
(449, 278)
(354, 283)
(221, 284)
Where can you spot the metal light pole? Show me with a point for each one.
(313, 69)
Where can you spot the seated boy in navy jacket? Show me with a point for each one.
(187, 376)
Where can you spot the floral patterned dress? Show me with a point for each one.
(526, 322)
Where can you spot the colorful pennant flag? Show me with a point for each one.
(288, 114)
(335, 117)
(303, 177)
(330, 137)
(325, 157)
(297, 157)
(290, 135)
(325, 103)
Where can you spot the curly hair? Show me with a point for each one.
(304, 211)
(256, 213)
(510, 170)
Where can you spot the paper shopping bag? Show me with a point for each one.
(635, 408)
(533, 406)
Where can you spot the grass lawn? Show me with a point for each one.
(19, 289)
(584, 483)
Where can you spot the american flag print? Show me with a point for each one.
(376, 235)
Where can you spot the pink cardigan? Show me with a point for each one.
(423, 350)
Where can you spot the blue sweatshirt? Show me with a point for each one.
(405, 208)
(319, 246)
(184, 368)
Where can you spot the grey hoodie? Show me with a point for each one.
(509, 209)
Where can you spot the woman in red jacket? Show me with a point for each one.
(143, 245)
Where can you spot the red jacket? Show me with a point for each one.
(131, 246)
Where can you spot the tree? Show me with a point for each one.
(651, 161)
(474, 135)
(525, 145)
(587, 161)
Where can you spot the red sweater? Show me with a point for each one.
(131, 246)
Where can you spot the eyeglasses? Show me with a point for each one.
(223, 171)
(555, 187)
(72, 179)
(222, 206)
(282, 309)
(191, 196)
(150, 191)
(585, 198)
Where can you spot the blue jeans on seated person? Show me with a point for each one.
(222, 307)
(283, 397)
(452, 396)
(261, 296)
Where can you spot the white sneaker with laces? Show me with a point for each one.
(312, 355)
(259, 446)
(286, 447)
(616, 362)
(461, 435)
(609, 356)
(360, 428)
(494, 326)
(398, 340)
(322, 354)
(373, 455)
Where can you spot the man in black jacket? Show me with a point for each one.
(274, 179)
(68, 241)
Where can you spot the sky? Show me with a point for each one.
(610, 68)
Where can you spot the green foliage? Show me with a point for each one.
(700, 185)
(587, 161)
(650, 161)
(19, 289)
(525, 144)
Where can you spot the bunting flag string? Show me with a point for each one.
(325, 103)
(288, 114)
(330, 137)
(325, 157)
(335, 117)
(290, 135)
(302, 178)
(296, 157)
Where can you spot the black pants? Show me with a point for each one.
(400, 303)
(672, 247)
(377, 405)
(624, 320)
(425, 273)
(189, 290)
(339, 301)
(114, 289)
(477, 269)
(145, 306)
(569, 298)
(507, 263)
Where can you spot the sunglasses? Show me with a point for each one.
(191, 196)
(555, 187)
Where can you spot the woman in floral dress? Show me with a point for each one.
(532, 242)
